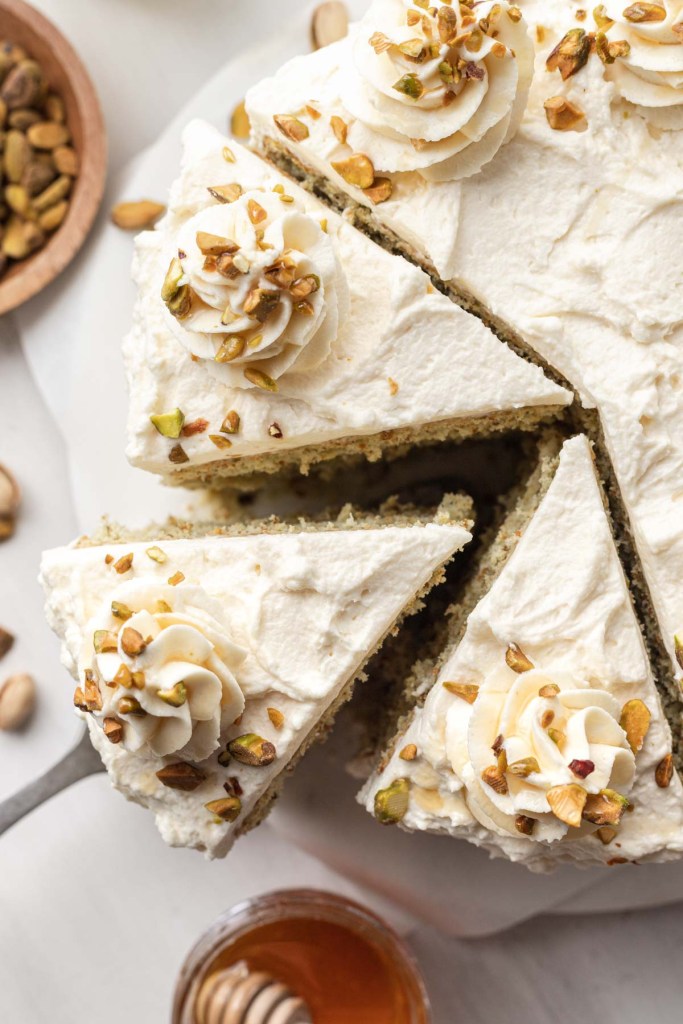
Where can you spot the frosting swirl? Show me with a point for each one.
(265, 290)
(437, 90)
(554, 730)
(163, 669)
(650, 74)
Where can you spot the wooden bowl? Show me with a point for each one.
(23, 24)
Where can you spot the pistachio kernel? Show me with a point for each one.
(93, 695)
(6, 641)
(123, 677)
(220, 442)
(495, 778)
(181, 775)
(291, 127)
(516, 659)
(231, 423)
(567, 803)
(356, 169)
(635, 721)
(226, 193)
(17, 701)
(132, 642)
(524, 824)
(570, 54)
(175, 696)
(380, 190)
(340, 128)
(136, 216)
(79, 699)
(409, 752)
(214, 245)
(252, 749)
(239, 122)
(391, 804)
(113, 730)
(131, 706)
(563, 115)
(226, 809)
(643, 13)
(176, 578)
(156, 554)
(605, 807)
(120, 611)
(276, 717)
(549, 690)
(600, 17)
(178, 455)
(260, 379)
(524, 767)
(664, 771)
(224, 758)
(409, 85)
(104, 641)
(606, 834)
(466, 691)
(329, 23)
(256, 212)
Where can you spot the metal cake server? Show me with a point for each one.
(82, 761)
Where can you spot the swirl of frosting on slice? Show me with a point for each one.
(437, 90)
(650, 71)
(161, 676)
(536, 731)
(256, 286)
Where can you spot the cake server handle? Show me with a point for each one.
(82, 761)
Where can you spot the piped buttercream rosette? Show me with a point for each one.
(651, 73)
(437, 90)
(158, 670)
(529, 742)
(261, 287)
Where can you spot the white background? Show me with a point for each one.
(95, 913)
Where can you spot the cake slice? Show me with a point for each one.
(543, 738)
(208, 658)
(270, 334)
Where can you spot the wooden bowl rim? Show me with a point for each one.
(36, 272)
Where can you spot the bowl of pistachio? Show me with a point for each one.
(53, 153)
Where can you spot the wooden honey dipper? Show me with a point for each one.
(237, 995)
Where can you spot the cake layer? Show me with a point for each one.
(581, 209)
(371, 355)
(215, 660)
(545, 708)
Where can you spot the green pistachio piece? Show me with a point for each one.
(252, 749)
(391, 803)
(169, 424)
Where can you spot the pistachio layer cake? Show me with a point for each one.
(271, 333)
(543, 738)
(207, 658)
(531, 159)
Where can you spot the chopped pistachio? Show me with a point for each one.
(291, 127)
(123, 677)
(181, 775)
(356, 169)
(168, 424)
(79, 699)
(495, 778)
(391, 803)
(176, 578)
(104, 641)
(120, 611)
(275, 430)
(138, 679)
(156, 554)
(214, 245)
(549, 690)
(570, 54)
(252, 749)
(605, 807)
(524, 767)
(256, 212)
(409, 85)
(228, 155)
(380, 190)
(635, 721)
(113, 730)
(606, 834)
(305, 286)
(239, 122)
(226, 193)
(260, 379)
(643, 13)
(261, 303)
(563, 115)
(175, 696)
(516, 659)
(232, 348)
(131, 706)
(132, 642)
(178, 454)
(466, 691)
(524, 824)
(276, 717)
(340, 128)
(601, 18)
(567, 803)
(231, 423)
(664, 771)
(136, 216)
(219, 441)
(226, 809)
(409, 752)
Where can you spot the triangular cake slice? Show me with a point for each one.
(205, 665)
(543, 738)
(284, 336)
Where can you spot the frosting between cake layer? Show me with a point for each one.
(563, 599)
(336, 592)
(389, 365)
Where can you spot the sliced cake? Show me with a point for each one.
(207, 658)
(566, 240)
(269, 333)
(543, 738)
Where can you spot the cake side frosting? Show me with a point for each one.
(212, 660)
(543, 738)
(340, 339)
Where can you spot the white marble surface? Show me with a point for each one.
(85, 934)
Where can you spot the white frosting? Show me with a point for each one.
(337, 591)
(389, 364)
(466, 89)
(186, 645)
(265, 230)
(584, 225)
(651, 74)
(563, 599)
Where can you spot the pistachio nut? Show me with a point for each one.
(226, 809)
(252, 749)
(391, 804)
(181, 775)
(137, 215)
(17, 701)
